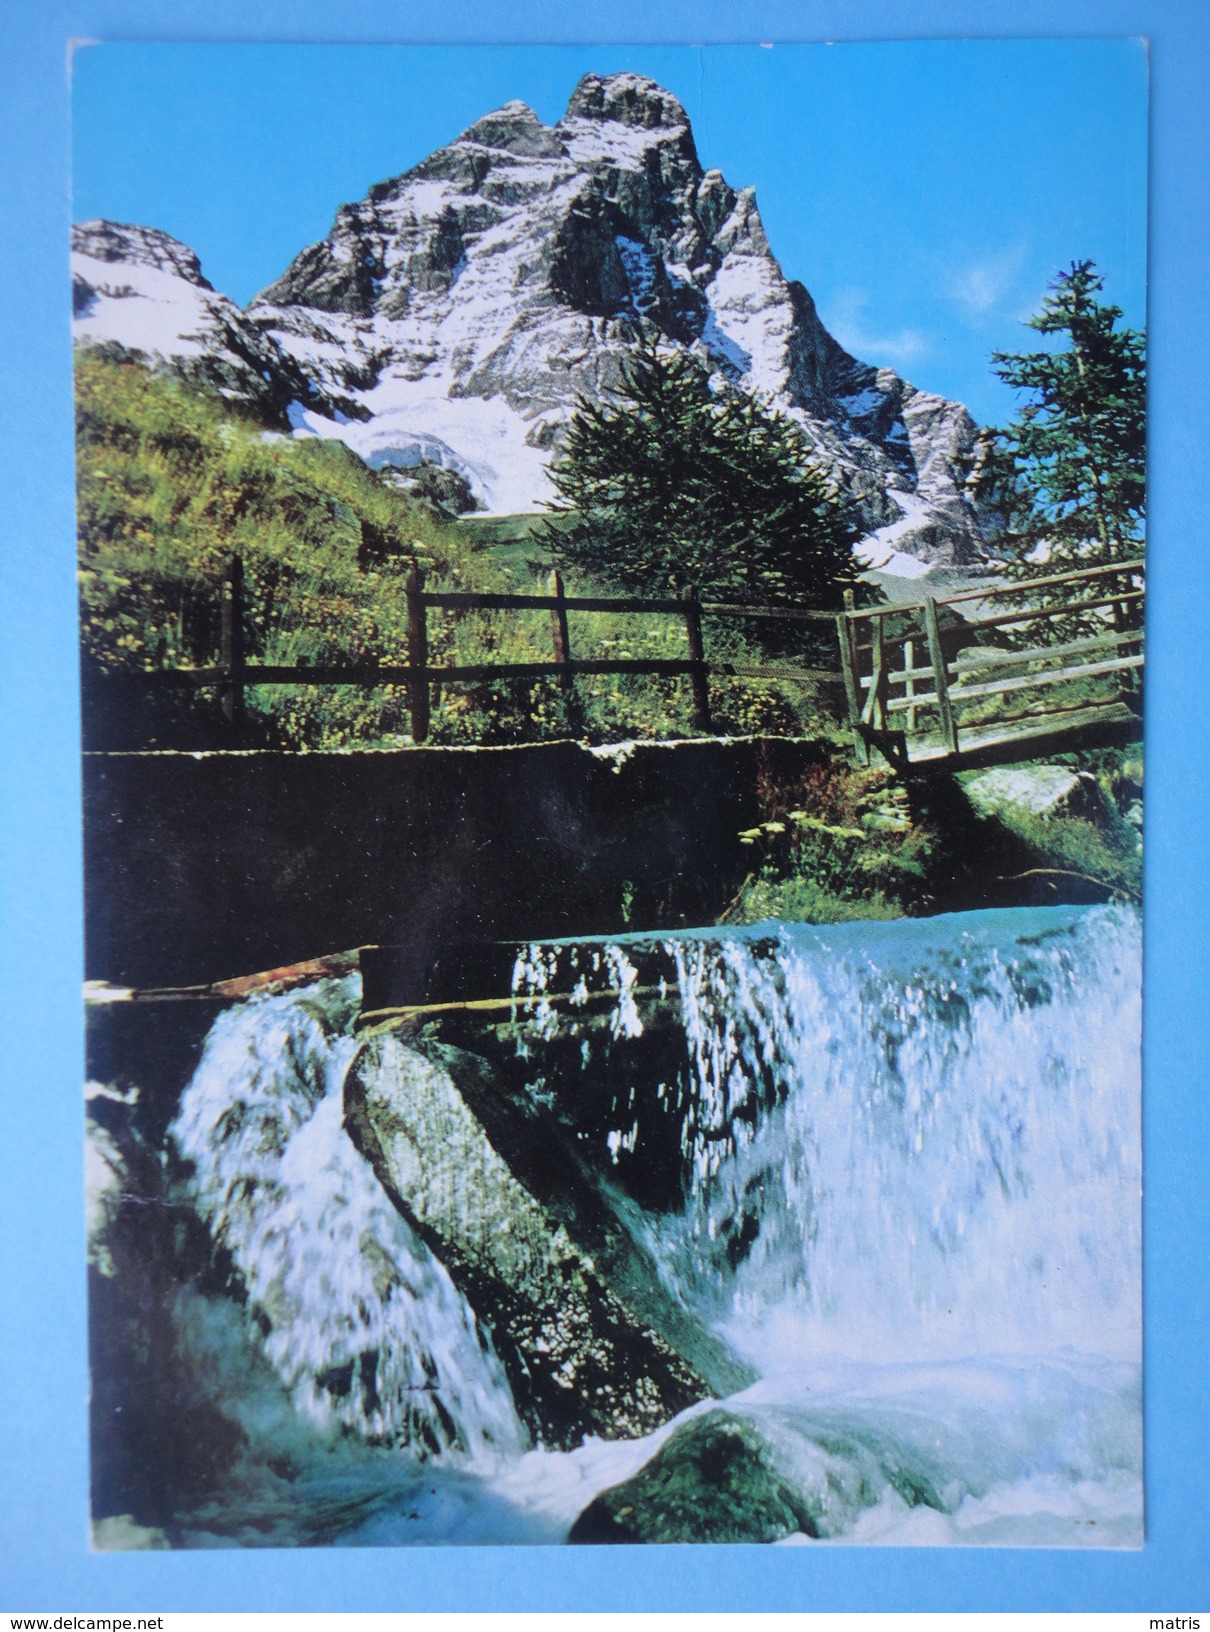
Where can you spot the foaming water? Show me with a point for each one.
(951, 1164)
(907, 1158)
(912, 1200)
(361, 1322)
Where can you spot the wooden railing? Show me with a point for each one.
(234, 674)
(919, 666)
(924, 684)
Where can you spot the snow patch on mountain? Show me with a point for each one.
(143, 308)
(143, 291)
(880, 552)
(413, 422)
(139, 288)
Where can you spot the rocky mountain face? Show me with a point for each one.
(142, 291)
(455, 315)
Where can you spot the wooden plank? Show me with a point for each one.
(780, 614)
(459, 600)
(1054, 711)
(418, 654)
(697, 654)
(874, 712)
(513, 1004)
(470, 601)
(1038, 613)
(848, 669)
(949, 728)
(1079, 575)
(879, 675)
(911, 675)
(1023, 586)
(560, 638)
(637, 665)
(172, 677)
(1094, 727)
(774, 671)
(990, 657)
(994, 688)
(397, 674)
(333, 674)
(1051, 677)
(497, 601)
(919, 699)
(606, 603)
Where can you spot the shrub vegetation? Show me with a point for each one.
(673, 484)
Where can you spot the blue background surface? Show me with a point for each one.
(44, 1562)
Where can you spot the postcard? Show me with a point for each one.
(612, 650)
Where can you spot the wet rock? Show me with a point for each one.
(761, 1473)
(716, 1479)
(579, 1360)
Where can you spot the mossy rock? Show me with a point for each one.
(714, 1480)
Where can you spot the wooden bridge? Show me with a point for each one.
(989, 676)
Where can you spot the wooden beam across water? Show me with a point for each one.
(1105, 725)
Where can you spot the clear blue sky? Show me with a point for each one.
(925, 192)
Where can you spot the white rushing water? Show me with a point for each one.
(911, 1203)
(954, 1164)
(915, 1206)
(363, 1325)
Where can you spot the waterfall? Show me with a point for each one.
(895, 1168)
(360, 1321)
(907, 1191)
(919, 1138)
(954, 1166)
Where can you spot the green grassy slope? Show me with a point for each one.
(173, 482)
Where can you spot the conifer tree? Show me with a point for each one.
(1069, 473)
(672, 484)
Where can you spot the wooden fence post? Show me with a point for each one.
(875, 704)
(418, 655)
(231, 647)
(559, 634)
(932, 629)
(697, 654)
(909, 663)
(848, 669)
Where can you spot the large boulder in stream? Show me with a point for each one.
(715, 1480)
(760, 1474)
(589, 1342)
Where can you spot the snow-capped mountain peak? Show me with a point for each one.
(458, 312)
